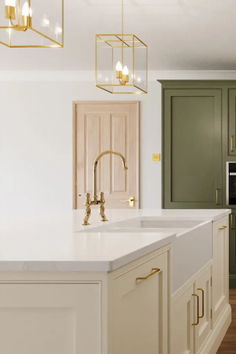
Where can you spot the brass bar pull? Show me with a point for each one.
(203, 302)
(223, 227)
(197, 322)
(232, 143)
(154, 271)
(217, 196)
(232, 224)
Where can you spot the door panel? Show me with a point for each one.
(138, 313)
(232, 123)
(192, 148)
(220, 273)
(100, 126)
(183, 315)
(204, 290)
(50, 318)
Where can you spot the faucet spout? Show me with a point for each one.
(107, 152)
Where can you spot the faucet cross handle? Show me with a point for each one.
(87, 209)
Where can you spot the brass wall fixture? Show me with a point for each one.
(121, 62)
(32, 24)
(101, 200)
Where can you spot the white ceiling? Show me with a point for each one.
(181, 34)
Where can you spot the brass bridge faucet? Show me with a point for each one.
(95, 200)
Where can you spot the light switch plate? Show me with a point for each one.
(156, 157)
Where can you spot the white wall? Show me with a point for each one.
(36, 143)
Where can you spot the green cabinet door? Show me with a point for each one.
(192, 165)
(232, 123)
(232, 249)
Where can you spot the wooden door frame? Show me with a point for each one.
(74, 141)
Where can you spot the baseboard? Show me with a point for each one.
(218, 332)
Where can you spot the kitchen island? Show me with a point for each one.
(147, 281)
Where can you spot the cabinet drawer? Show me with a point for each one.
(138, 308)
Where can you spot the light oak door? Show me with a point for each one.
(101, 126)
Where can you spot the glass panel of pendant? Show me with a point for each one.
(121, 63)
(32, 23)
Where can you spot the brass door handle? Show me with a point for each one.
(223, 227)
(217, 196)
(232, 143)
(131, 201)
(154, 271)
(232, 223)
(197, 321)
(203, 302)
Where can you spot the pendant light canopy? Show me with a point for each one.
(121, 62)
(32, 23)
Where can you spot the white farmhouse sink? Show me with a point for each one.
(187, 255)
(150, 224)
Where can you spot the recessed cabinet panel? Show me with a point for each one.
(232, 123)
(192, 148)
(50, 319)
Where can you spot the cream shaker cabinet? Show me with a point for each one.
(191, 314)
(138, 311)
(87, 313)
(220, 267)
(200, 310)
(50, 318)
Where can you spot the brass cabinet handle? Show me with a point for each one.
(154, 271)
(131, 201)
(223, 227)
(232, 224)
(232, 143)
(203, 302)
(197, 322)
(217, 196)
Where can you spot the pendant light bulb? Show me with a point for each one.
(125, 70)
(125, 75)
(10, 3)
(118, 70)
(26, 10)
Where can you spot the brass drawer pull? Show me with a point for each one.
(197, 322)
(154, 271)
(223, 227)
(217, 196)
(232, 143)
(203, 302)
(232, 222)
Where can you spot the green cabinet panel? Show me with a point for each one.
(192, 167)
(232, 122)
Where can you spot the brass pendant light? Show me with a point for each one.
(121, 62)
(32, 23)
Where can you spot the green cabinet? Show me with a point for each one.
(232, 122)
(192, 166)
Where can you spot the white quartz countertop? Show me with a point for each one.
(58, 242)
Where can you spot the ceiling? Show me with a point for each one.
(181, 34)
